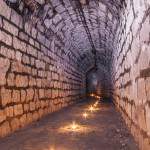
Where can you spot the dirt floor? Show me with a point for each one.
(68, 129)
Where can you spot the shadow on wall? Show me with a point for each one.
(98, 82)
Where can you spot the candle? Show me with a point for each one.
(91, 108)
(85, 115)
(74, 126)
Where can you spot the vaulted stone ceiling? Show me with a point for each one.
(74, 25)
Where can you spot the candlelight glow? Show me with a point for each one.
(92, 95)
(85, 115)
(91, 108)
(75, 127)
(52, 148)
(98, 97)
(96, 103)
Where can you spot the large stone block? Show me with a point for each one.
(141, 91)
(2, 116)
(7, 52)
(6, 38)
(26, 107)
(23, 119)
(5, 129)
(147, 83)
(19, 45)
(9, 111)
(5, 10)
(5, 96)
(32, 106)
(10, 28)
(16, 96)
(18, 109)
(11, 79)
(4, 66)
(23, 95)
(21, 81)
(41, 93)
(14, 124)
(30, 94)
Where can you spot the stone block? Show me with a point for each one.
(7, 52)
(5, 10)
(41, 93)
(11, 79)
(147, 109)
(23, 95)
(18, 56)
(32, 51)
(5, 96)
(4, 66)
(5, 129)
(2, 116)
(32, 106)
(30, 94)
(18, 109)
(34, 33)
(19, 45)
(17, 67)
(147, 83)
(16, 19)
(9, 111)
(26, 59)
(21, 81)
(35, 116)
(10, 28)
(23, 36)
(23, 120)
(16, 96)
(15, 124)
(40, 64)
(29, 118)
(6, 38)
(1, 23)
(26, 107)
(141, 91)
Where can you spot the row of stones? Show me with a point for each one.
(132, 76)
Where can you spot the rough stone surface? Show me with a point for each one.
(131, 70)
(48, 47)
(102, 126)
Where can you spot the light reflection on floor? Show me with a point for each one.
(70, 130)
(78, 129)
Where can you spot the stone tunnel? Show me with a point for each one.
(56, 53)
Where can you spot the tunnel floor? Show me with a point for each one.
(103, 129)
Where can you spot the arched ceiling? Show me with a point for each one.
(74, 25)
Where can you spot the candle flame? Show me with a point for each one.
(96, 103)
(91, 108)
(85, 115)
(74, 126)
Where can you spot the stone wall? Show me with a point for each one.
(34, 79)
(131, 72)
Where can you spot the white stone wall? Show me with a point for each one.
(132, 69)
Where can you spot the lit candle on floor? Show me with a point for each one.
(91, 108)
(74, 126)
(95, 104)
(85, 115)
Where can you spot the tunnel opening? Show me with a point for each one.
(97, 86)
